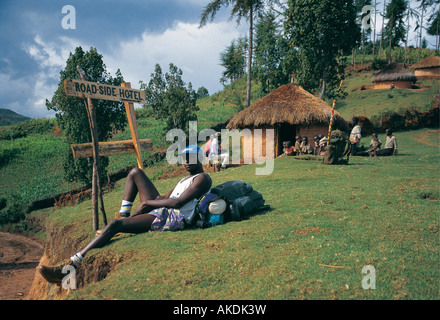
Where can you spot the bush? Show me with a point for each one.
(407, 119)
(7, 155)
(378, 64)
(12, 208)
(22, 129)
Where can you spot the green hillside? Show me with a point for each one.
(371, 103)
(221, 106)
(8, 117)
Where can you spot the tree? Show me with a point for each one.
(433, 28)
(72, 117)
(395, 27)
(241, 9)
(202, 92)
(271, 48)
(410, 13)
(424, 4)
(359, 5)
(233, 59)
(170, 99)
(321, 31)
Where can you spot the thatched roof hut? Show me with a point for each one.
(428, 68)
(394, 73)
(289, 104)
(289, 110)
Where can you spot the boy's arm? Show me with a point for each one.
(200, 186)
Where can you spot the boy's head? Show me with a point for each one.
(191, 157)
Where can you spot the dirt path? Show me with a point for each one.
(421, 137)
(19, 256)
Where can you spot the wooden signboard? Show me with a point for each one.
(93, 90)
(85, 150)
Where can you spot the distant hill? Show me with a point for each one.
(8, 117)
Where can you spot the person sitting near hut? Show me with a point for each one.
(156, 213)
(375, 145)
(207, 146)
(317, 148)
(355, 136)
(297, 148)
(323, 141)
(284, 149)
(288, 149)
(216, 153)
(390, 145)
(306, 147)
(392, 85)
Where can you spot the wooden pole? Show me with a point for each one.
(331, 117)
(129, 108)
(96, 186)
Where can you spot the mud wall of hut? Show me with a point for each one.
(427, 73)
(397, 84)
(311, 131)
(257, 148)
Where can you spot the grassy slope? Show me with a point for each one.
(326, 223)
(374, 102)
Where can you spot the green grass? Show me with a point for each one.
(34, 167)
(326, 224)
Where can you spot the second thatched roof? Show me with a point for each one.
(289, 104)
(394, 72)
(428, 62)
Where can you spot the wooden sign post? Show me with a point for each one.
(92, 90)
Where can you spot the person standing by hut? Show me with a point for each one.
(355, 136)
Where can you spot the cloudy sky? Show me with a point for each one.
(132, 35)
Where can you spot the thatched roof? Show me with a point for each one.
(428, 62)
(394, 72)
(290, 104)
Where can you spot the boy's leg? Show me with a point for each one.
(136, 224)
(137, 182)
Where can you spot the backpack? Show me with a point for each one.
(337, 148)
(233, 201)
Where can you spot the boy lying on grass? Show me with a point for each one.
(170, 212)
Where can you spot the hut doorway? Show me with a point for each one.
(286, 132)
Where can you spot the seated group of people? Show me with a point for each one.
(375, 147)
(303, 146)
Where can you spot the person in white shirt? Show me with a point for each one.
(390, 145)
(355, 136)
(216, 153)
(170, 212)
